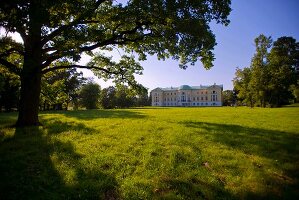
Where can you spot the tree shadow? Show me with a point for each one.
(95, 114)
(34, 165)
(55, 126)
(192, 189)
(279, 147)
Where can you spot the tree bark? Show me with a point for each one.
(31, 73)
(30, 85)
(29, 99)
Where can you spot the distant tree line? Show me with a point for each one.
(272, 78)
(67, 88)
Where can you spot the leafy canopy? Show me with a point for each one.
(271, 79)
(64, 30)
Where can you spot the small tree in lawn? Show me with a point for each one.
(55, 31)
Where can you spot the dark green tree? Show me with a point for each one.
(60, 88)
(9, 90)
(53, 31)
(9, 80)
(89, 95)
(259, 79)
(228, 97)
(107, 98)
(124, 96)
(142, 98)
(283, 58)
(271, 79)
(241, 86)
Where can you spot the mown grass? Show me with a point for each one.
(153, 153)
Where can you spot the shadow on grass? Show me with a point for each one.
(281, 148)
(56, 126)
(35, 166)
(192, 189)
(94, 114)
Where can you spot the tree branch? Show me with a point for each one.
(73, 23)
(115, 40)
(75, 66)
(10, 51)
(11, 67)
(118, 39)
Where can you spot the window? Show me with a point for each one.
(174, 93)
(202, 98)
(193, 98)
(197, 98)
(206, 98)
(170, 93)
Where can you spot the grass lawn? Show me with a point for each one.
(153, 153)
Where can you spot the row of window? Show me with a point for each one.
(183, 99)
(183, 93)
(188, 104)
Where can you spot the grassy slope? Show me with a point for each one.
(154, 153)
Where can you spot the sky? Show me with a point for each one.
(235, 45)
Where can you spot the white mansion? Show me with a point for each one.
(186, 95)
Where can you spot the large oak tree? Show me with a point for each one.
(55, 31)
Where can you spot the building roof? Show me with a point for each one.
(187, 87)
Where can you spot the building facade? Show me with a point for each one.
(186, 95)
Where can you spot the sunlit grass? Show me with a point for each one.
(153, 153)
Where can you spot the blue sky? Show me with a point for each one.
(235, 48)
(249, 18)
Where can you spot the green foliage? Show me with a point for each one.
(61, 88)
(89, 95)
(283, 58)
(152, 153)
(123, 96)
(55, 31)
(167, 28)
(229, 97)
(271, 75)
(9, 90)
(107, 98)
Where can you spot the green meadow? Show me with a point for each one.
(152, 153)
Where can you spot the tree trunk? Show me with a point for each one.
(31, 72)
(29, 101)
